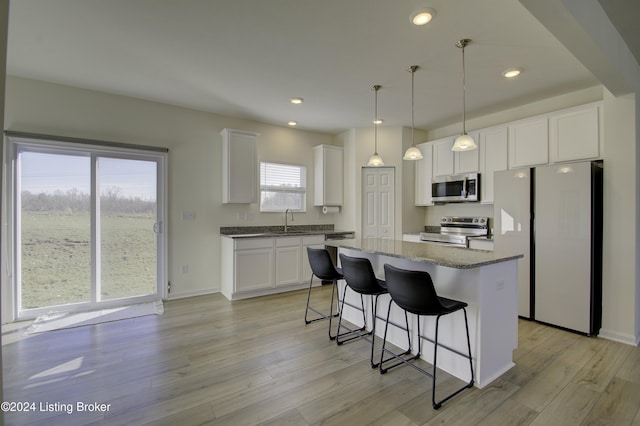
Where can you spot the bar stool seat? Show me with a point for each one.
(360, 278)
(414, 292)
(322, 267)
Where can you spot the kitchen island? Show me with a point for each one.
(486, 280)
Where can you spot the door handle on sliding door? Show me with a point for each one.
(157, 227)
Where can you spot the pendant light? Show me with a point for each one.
(375, 160)
(464, 142)
(412, 153)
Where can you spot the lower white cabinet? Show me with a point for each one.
(288, 260)
(258, 266)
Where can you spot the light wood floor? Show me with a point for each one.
(209, 361)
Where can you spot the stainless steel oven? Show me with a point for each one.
(455, 231)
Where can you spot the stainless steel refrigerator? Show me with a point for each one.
(553, 216)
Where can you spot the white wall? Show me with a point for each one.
(195, 167)
(392, 142)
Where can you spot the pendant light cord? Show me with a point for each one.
(375, 120)
(464, 91)
(462, 44)
(413, 71)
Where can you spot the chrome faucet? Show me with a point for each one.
(286, 225)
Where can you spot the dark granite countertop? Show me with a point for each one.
(278, 231)
(453, 257)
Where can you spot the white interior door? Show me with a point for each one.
(378, 202)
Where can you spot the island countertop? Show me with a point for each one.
(452, 257)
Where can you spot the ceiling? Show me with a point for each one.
(247, 58)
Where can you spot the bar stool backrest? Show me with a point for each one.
(322, 265)
(359, 275)
(413, 291)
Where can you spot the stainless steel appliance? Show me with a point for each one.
(456, 231)
(456, 188)
(553, 215)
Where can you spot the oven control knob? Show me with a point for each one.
(483, 220)
(475, 220)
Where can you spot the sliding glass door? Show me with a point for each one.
(87, 227)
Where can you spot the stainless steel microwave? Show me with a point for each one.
(456, 188)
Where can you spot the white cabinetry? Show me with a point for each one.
(467, 161)
(424, 174)
(493, 158)
(328, 175)
(288, 260)
(575, 134)
(258, 266)
(442, 157)
(253, 264)
(529, 142)
(481, 244)
(239, 166)
(447, 162)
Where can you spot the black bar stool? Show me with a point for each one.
(359, 276)
(322, 267)
(414, 292)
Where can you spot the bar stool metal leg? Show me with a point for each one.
(398, 356)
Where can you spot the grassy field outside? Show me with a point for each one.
(56, 257)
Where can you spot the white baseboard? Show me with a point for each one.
(186, 294)
(616, 336)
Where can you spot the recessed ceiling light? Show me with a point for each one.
(512, 72)
(422, 16)
(292, 123)
(378, 121)
(297, 101)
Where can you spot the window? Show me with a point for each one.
(87, 225)
(282, 186)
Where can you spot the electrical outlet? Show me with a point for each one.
(499, 285)
(185, 269)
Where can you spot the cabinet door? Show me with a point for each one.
(254, 269)
(467, 161)
(288, 261)
(442, 157)
(424, 174)
(332, 177)
(493, 158)
(575, 134)
(239, 167)
(529, 143)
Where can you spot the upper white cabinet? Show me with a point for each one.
(467, 161)
(575, 134)
(239, 166)
(493, 158)
(328, 175)
(442, 157)
(447, 162)
(529, 142)
(424, 174)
